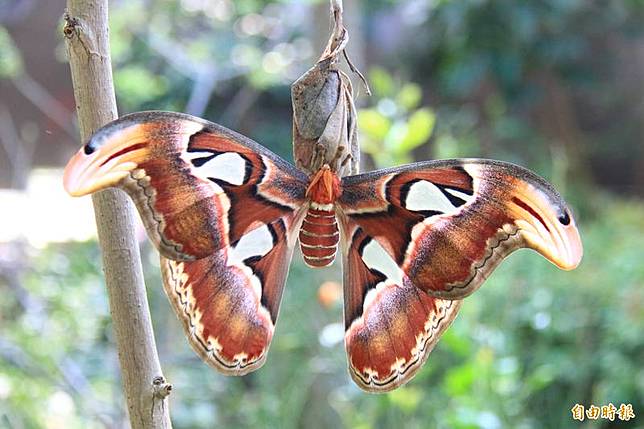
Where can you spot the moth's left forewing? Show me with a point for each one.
(197, 185)
(449, 223)
(391, 326)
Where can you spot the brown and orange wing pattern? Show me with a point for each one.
(391, 325)
(228, 302)
(197, 185)
(225, 213)
(447, 224)
(418, 238)
(223, 210)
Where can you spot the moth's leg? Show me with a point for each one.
(335, 161)
(346, 160)
(340, 160)
(319, 157)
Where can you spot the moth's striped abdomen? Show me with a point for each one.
(319, 236)
(319, 233)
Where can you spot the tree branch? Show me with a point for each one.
(87, 42)
(33, 91)
(20, 153)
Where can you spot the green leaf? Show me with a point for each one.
(459, 380)
(10, 60)
(373, 124)
(541, 377)
(381, 82)
(407, 398)
(409, 96)
(457, 342)
(136, 84)
(419, 130)
(445, 146)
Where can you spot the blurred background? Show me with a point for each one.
(554, 85)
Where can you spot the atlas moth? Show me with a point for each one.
(225, 214)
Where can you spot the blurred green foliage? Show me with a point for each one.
(397, 125)
(536, 83)
(534, 80)
(219, 59)
(10, 60)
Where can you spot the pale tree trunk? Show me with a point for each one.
(86, 34)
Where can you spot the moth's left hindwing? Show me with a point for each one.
(223, 210)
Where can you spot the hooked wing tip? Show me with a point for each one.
(85, 174)
(548, 228)
(108, 157)
(572, 251)
(73, 176)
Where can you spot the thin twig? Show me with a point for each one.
(338, 42)
(19, 152)
(40, 97)
(201, 92)
(238, 106)
(356, 71)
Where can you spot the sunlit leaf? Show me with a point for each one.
(459, 380)
(10, 59)
(373, 124)
(138, 84)
(407, 399)
(419, 130)
(380, 81)
(409, 96)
